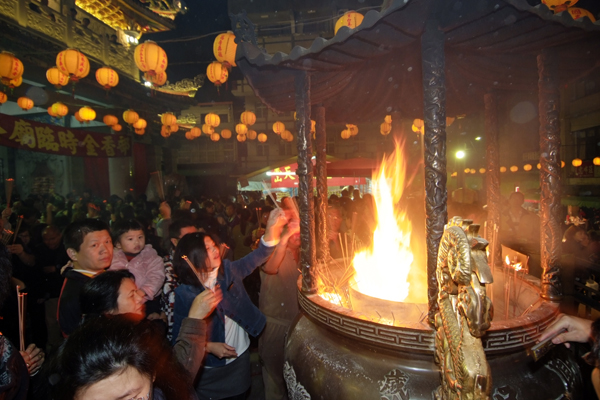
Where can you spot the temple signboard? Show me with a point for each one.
(35, 136)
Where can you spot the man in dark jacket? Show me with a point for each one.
(90, 249)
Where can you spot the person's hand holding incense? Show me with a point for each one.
(578, 330)
(34, 358)
(275, 224)
(204, 304)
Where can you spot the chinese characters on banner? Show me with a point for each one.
(35, 136)
(285, 177)
(586, 170)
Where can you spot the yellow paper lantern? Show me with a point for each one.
(158, 79)
(140, 124)
(188, 135)
(241, 129)
(195, 132)
(262, 137)
(241, 138)
(59, 109)
(467, 170)
(559, 5)
(73, 63)
(251, 134)
(13, 83)
(107, 77)
(577, 162)
(225, 134)
(539, 166)
(527, 167)
(77, 117)
(482, 170)
(25, 103)
(596, 159)
(174, 128)
(289, 137)
(514, 168)
(208, 129)
(10, 67)
(50, 112)
(168, 119)
(87, 114)
(150, 57)
(285, 134)
(353, 129)
(472, 171)
(215, 137)
(110, 120)
(385, 128)
(248, 118)
(140, 131)
(562, 164)
(212, 119)
(351, 19)
(502, 169)
(278, 127)
(388, 119)
(217, 73)
(130, 117)
(577, 13)
(3, 98)
(224, 48)
(345, 134)
(117, 128)
(57, 78)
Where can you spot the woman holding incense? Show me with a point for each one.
(199, 266)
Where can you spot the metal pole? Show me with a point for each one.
(321, 210)
(308, 259)
(549, 105)
(434, 112)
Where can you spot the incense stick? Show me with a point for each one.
(194, 270)
(270, 194)
(8, 189)
(158, 182)
(21, 312)
(19, 222)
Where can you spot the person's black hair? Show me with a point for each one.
(105, 346)
(123, 226)
(127, 212)
(5, 273)
(177, 225)
(192, 246)
(100, 295)
(76, 231)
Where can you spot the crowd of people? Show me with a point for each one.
(134, 299)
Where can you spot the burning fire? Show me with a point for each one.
(382, 271)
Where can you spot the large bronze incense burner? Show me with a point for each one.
(334, 352)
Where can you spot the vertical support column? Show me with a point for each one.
(549, 105)
(434, 112)
(308, 259)
(118, 174)
(321, 210)
(492, 176)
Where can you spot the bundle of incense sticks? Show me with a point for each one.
(270, 194)
(8, 189)
(6, 235)
(19, 222)
(21, 301)
(187, 260)
(158, 182)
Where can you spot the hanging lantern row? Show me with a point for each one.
(224, 48)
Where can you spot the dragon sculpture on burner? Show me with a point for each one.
(465, 313)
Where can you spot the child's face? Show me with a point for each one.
(131, 242)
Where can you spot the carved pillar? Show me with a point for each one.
(492, 176)
(434, 112)
(549, 105)
(321, 210)
(308, 259)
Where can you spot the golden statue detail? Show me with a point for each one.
(465, 313)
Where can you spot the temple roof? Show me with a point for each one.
(362, 74)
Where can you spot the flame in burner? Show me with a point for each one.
(382, 271)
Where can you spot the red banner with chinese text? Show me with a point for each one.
(285, 177)
(36, 136)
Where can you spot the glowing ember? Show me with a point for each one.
(382, 271)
